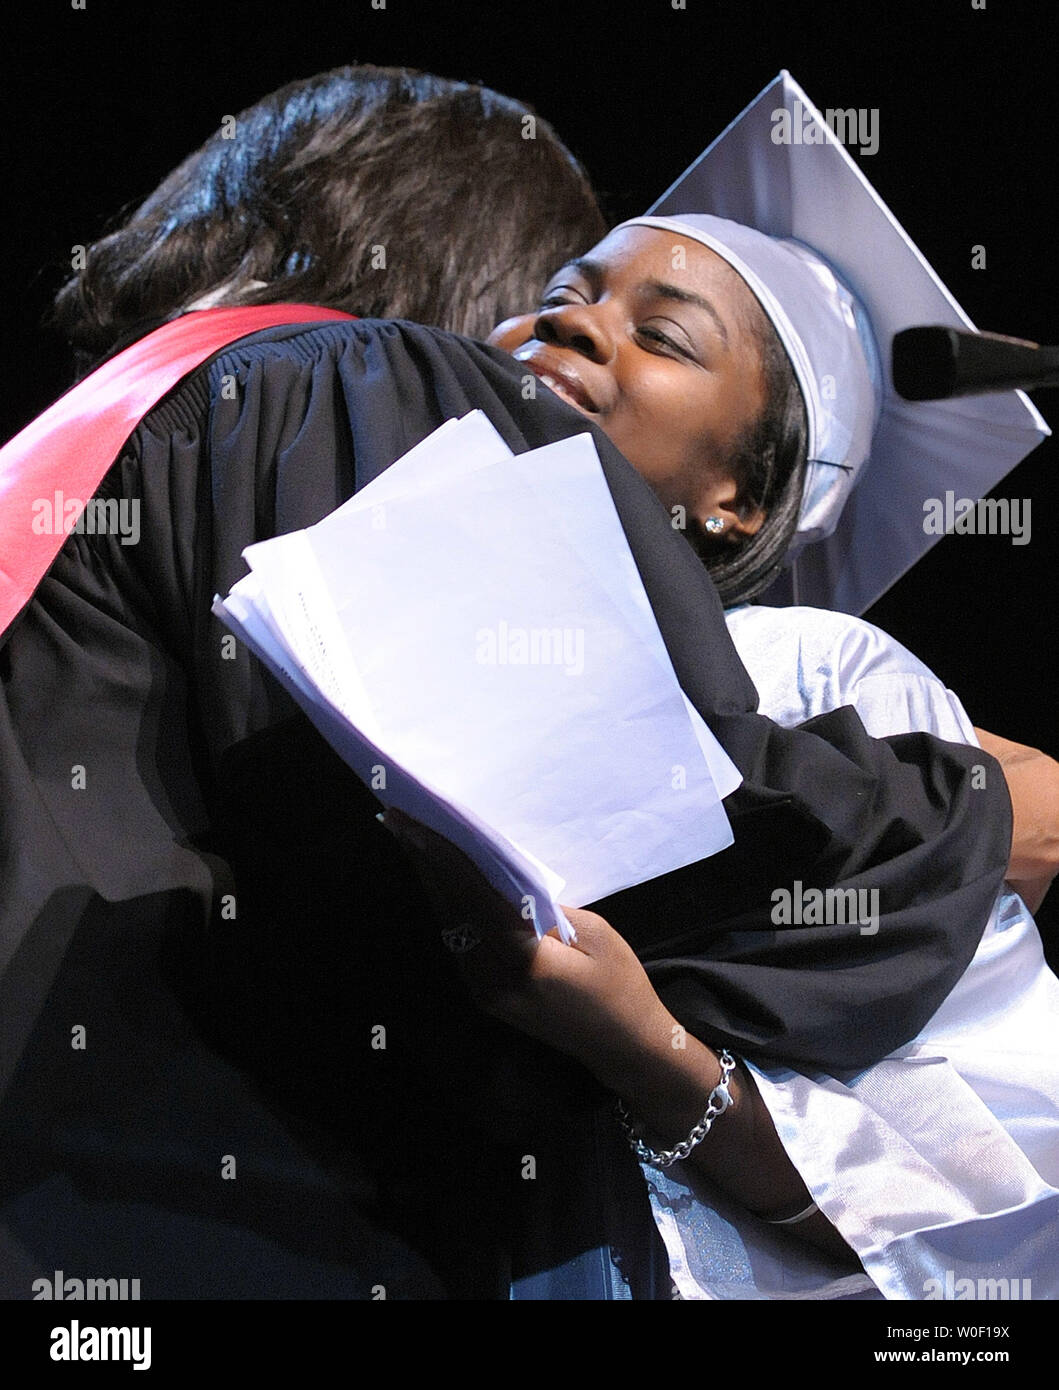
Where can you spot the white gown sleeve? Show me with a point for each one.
(940, 1164)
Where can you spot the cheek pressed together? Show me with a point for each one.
(649, 336)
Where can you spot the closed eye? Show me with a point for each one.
(557, 298)
(654, 335)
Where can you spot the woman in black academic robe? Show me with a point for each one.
(194, 882)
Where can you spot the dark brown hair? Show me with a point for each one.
(768, 467)
(468, 197)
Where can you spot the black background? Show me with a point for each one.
(100, 103)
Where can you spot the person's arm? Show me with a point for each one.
(594, 1002)
(1033, 783)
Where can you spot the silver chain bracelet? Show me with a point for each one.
(720, 1100)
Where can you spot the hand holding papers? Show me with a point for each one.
(471, 634)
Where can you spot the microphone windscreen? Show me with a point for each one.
(931, 364)
(924, 363)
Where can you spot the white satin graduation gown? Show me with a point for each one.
(940, 1164)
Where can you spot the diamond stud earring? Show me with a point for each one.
(714, 524)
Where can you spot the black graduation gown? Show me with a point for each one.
(193, 879)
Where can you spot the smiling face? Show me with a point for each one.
(651, 336)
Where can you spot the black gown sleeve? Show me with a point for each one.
(191, 877)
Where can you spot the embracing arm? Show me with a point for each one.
(1033, 782)
(594, 1002)
(665, 1076)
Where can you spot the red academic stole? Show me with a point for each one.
(71, 446)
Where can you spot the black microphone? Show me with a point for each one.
(930, 364)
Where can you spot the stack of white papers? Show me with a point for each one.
(472, 636)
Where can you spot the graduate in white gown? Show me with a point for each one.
(939, 1166)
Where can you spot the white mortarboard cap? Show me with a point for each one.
(862, 518)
